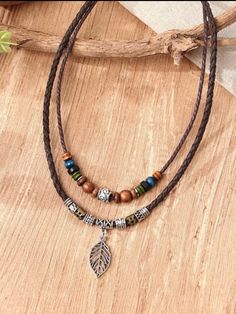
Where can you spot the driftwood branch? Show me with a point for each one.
(174, 42)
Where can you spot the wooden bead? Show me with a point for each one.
(66, 156)
(88, 187)
(133, 193)
(126, 196)
(116, 197)
(95, 192)
(157, 175)
(81, 180)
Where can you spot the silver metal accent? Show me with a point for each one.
(104, 224)
(120, 223)
(71, 205)
(100, 256)
(89, 219)
(104, 195)
(142, 213)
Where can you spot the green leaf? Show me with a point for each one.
(5, 41)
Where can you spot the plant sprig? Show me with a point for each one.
(5, 42)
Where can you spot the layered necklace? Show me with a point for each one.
(100, 255)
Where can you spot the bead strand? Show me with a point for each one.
(104, 194)
(119, 223)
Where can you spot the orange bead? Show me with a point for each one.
(126, 196)
(157, 175)
(66, 156)
(88, 187)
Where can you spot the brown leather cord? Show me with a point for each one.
(68, 38)
(77, 22)
(192, 118)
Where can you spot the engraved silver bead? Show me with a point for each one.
(104, 195)
(142, 213)
(120, 223)
(71, 205)
(104, 223)
(89, 219)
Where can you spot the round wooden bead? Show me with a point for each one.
(66, 156)
(95, 192)
(88, 187)
(133, 193)
(116, 197)
(81, 180)
(157, 175)
(126, 196)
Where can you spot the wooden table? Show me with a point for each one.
(122, 119)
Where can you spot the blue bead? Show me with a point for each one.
(151, 181)
(69, 163)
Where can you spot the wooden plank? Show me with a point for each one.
(122, 119)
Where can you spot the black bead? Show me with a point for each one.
(145, 185)
(73, 170)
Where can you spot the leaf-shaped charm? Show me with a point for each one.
(100, 258)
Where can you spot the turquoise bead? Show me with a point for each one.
(69, 163)
(151, 181)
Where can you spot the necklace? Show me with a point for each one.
(104, 194)
(100, 256)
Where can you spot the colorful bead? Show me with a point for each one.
(157, 175)
(76, 175)
(81, 180)
(73, 170)
(145, 185)
(69, 163)
(66, 156)
(139, 190)
(88, 187)
(151, 181)
(126, 196)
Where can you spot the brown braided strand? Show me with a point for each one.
(206, 114)
(79, 19)
(66, 41)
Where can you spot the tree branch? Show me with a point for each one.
(174, 42)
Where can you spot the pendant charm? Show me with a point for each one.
(100, 256)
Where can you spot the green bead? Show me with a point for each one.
(140, 189)
(76, 175)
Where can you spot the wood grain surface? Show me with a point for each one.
(122, 119)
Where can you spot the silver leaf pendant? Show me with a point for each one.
(100, 256)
